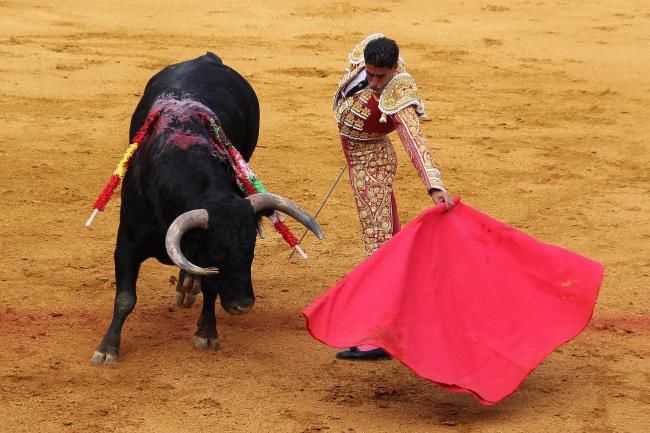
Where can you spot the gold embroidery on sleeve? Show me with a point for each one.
(408, 128)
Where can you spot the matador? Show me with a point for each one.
(375, 97)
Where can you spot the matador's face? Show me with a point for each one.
(379, 76)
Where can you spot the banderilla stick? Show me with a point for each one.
(321, 206)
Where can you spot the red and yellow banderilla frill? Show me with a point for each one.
(244, 175)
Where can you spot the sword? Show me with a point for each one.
(319, 209)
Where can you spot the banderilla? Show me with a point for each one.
(321, 206)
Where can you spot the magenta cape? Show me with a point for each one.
(463, 300)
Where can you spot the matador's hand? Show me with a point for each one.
(442, 197)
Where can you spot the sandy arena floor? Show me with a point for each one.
(538, 116)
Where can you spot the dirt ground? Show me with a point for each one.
(538, 116)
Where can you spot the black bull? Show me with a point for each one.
(177, 184)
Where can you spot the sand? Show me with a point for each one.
(538, 116)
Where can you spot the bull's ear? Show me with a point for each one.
(260, 227)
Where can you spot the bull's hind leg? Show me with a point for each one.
(187, 289)
(206, 332)
(127, 266)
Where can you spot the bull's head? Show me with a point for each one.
(231, 245)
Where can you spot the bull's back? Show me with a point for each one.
(222, 89)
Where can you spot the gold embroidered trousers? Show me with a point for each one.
(372, 166)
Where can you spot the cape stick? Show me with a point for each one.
(321, 207)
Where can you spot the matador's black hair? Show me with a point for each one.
(381, 52)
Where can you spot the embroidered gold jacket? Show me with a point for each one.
(363, 117)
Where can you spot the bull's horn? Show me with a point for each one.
(268, 201)
(194, 219)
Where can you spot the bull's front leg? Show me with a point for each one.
(206, 333)
(127, 266)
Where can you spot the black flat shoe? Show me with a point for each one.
(354, 354)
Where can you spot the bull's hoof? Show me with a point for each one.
(203, 343)
(101, 358)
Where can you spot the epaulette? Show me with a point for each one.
(399, 93)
